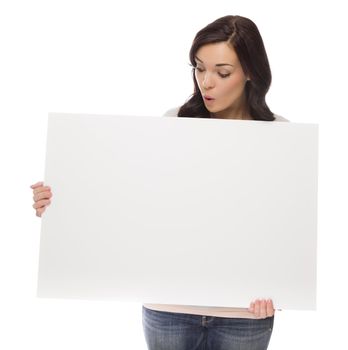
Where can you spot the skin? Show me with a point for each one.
(225, 83)
(219, 74)
(41, 197)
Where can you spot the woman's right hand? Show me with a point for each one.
(42, 195)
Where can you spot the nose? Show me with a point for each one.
(208, 81)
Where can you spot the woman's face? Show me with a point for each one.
(221, 81)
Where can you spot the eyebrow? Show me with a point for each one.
(217, 65)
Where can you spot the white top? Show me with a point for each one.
(204, 310)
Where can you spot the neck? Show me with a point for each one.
(239, 115)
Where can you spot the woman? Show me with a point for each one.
(231, 77)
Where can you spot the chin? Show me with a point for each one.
(212, 109)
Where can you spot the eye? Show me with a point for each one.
(199, 69)
(224, 75)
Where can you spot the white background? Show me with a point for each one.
(113, 57)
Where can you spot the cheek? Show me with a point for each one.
(233, 87)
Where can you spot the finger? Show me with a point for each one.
(41, 189)
(263, 310)
(42, 195)
(270, 308)
(257, 308)
(40, 211)
(38, 184)
(41, 203)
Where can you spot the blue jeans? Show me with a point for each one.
(177, 331)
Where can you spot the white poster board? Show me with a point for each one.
(180, 211)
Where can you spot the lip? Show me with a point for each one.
(208, 98)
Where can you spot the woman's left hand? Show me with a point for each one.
(262, 308)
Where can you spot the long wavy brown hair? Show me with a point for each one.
(243, 35)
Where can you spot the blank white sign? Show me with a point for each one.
(180, 211)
